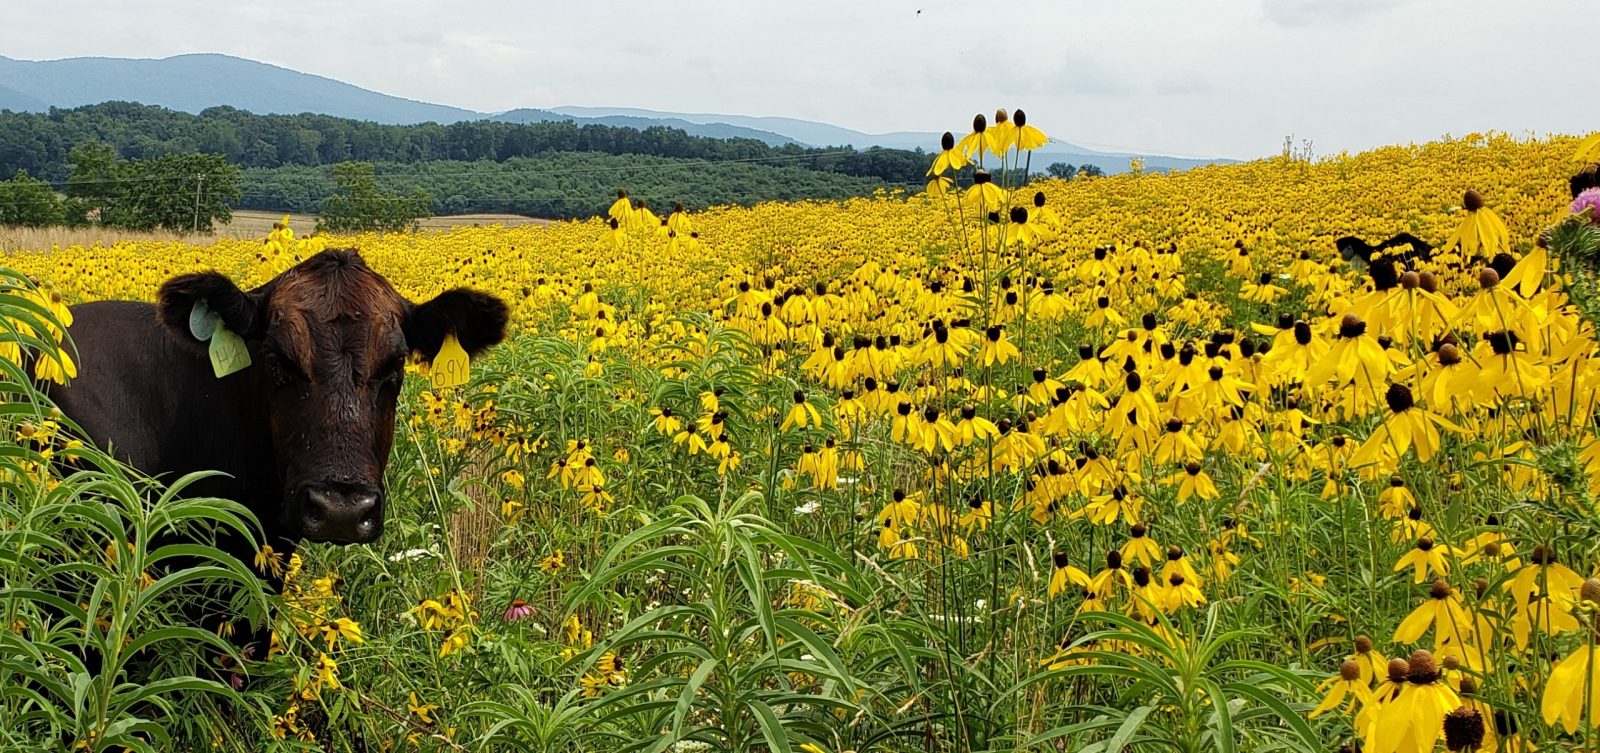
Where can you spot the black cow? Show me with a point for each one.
(1355, 250)
(304, 431)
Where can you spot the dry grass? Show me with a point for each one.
(245, 224)
(44, 239)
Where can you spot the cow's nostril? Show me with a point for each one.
(340, 513)
(317, 507)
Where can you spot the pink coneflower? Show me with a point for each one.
(518, 610)
(1590, 200)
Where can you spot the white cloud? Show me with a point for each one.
(1309, 12)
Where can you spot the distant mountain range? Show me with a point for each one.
(192, 83)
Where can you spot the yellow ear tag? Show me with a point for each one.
(450, 368)
(228, 353)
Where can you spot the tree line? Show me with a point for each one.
(42, 143)
(179, 192)
(561, 185)
(142, 167)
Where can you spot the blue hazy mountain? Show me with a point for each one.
(192, 83)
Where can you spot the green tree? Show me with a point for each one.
(93, 185)
(1091, 171)
(29, 202)
(1062, 170)
(358, 204)
(179, 192)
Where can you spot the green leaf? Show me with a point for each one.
(771, 729)
(1290, 717)
(1128, 728)
(1224, 717)
(687, 695)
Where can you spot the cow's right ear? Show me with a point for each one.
(177, 298)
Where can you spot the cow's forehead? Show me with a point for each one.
(327, 304)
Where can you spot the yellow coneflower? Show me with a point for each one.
(1413, 721)
(1443, 611)
(1482, 233)
(949, 158)
(983, 196)
(802, 414)
(1406, 426)
(1345, 688)
(1427, 556)
(1028, 138)
(1368, 660)
(1140, 548)
(1575, 677)
(1064, 574)
(1105, 582)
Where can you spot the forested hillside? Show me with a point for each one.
(545, 169)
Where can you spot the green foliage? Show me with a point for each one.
(739, 671)
(93, 186)
(29, 202)
(1062, 170)
(43, 143)
(98, 569)
(562, 185)
(178, 192)
(360, 205)
(1575, 241)
(1182, 696)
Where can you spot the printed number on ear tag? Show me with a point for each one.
(203, 322)
(228, 353)
(450, 367)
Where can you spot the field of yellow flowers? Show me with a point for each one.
(1125, 463)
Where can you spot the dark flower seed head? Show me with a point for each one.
(1349, 670)
(1463, 729)
(1422, 669)
(1449, 354)
(1302, 332)
(1398, 670)
(1488, 278)
(1399, 398)
(1352, 326)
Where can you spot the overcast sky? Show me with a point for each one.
(1225, 78)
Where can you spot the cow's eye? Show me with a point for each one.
(282, 367)
(393, 371)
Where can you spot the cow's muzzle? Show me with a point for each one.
(340, 513)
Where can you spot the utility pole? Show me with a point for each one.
(199, 180)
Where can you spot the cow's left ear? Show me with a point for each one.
(478, 320)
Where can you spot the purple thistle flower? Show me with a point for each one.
(1588, 200)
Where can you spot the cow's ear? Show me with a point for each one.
(478, 320)
(178, 296)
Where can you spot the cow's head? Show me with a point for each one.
(329, 341)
